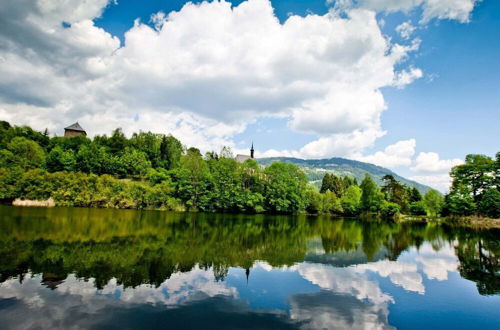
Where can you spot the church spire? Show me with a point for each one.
(251, 151)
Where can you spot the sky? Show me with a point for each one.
(411, 85)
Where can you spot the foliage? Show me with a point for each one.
(389, 209)
(433, 202)
(151, 170)
(395, 192)
(371, 197)
(474, 181)
(26, 154)
(414, 195)
(351, 200)
(490, 203)
(477, 174)
(286, 188)
(418, 208)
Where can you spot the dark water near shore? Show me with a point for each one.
(120, 269)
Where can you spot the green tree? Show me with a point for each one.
(459, 201)
(433, 202)
(134, 162)
(415, 195)
(192, 180)
(286, 188)
(170, 152)
(395, 192)
(478, 174)
(92, 158)
(418, 208)
(490, 204)
(60, 160)
(117, 142)
(351, 200)
(27, 154)
(333, 183)
(371, 197)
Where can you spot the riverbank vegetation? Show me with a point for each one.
(156, 171)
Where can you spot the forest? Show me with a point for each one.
(156, 171)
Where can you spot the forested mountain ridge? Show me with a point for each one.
(315, 169)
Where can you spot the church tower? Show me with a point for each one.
(251, 151)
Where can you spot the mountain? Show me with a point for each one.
(316, 169)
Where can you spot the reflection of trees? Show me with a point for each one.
(479, 256)
(148, 247)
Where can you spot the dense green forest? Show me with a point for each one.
(156, 171)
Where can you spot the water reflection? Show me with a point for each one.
(127, 269)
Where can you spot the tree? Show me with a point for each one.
(149, 143)
(27, 154)
(490, 204)
(418, 208)
(170, 152)
(133, 162)
(395, 192)
(415, 195)
(459, 201)
(433, 202)
(371, 197)
(117, 142)
(92, 158)
(389, 209)
(286, 188)
(330, 204)
(60, 160)
(351, 200)
(478, 174)
(332, 183)
(192, 179)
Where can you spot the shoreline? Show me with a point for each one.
(469, 222)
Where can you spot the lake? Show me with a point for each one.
(124, 269)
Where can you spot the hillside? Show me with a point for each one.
(316, 169)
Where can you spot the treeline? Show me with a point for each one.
(343, 196)
(145, 171)
(156, 171)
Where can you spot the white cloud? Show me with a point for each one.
(201, 73)
(397, 154)
(405, 29)
(440, 182)
(441, 9)
(430, 162)
(406, 77)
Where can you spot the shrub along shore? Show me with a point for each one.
(155, 171)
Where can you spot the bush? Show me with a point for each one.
(389, 209)
(417, 208)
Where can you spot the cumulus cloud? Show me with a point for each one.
(430, 162)
(405, 29)
(459, 10)
(202, 73)
(440, 182)
(433, 171)
(397, 154)
(406, 77)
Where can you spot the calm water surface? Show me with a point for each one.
(120, 269)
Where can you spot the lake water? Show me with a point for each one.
(121, 269)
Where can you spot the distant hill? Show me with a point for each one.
(316, 169)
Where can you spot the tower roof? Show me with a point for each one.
(75, 127)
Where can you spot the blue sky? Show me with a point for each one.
(409, 85)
